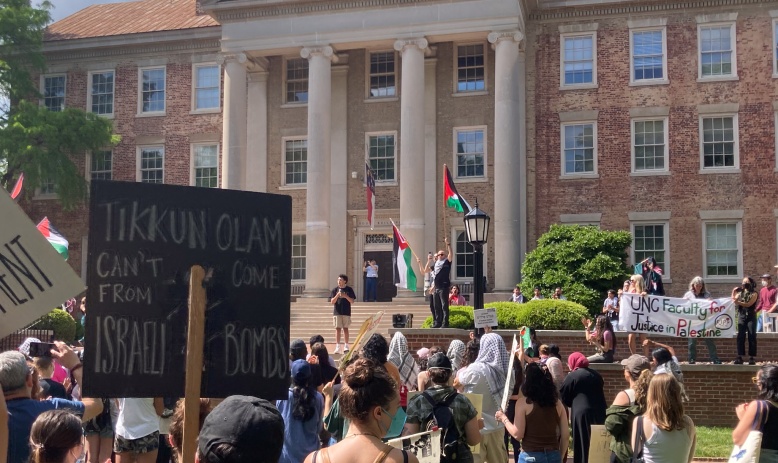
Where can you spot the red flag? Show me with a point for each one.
(18, 187)
(370, 191)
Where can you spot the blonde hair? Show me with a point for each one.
(543, 349)
(640, 283)
(664, 406)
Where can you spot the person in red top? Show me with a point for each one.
(767, 299)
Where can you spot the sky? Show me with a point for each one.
(63, 8)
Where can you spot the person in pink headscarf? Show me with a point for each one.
(583, 392)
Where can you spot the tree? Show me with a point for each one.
(43, 144)
(583, 260)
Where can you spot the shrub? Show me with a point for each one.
(547, 314)
(61, 323)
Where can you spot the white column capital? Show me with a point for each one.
(319, 50)
(495, 37)
(402, 44)
(241, 58)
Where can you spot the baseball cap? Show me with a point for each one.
(301, 371)
(251, 425)
(298, 348)
(439, 360)
(635, 364)
(767, 276)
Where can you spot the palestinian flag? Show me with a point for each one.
(55, 238)
(450, 196)
(404, 277)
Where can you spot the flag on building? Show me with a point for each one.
(450, 196)
(55, 238)
(370, 191)
(404, 276)
(18, 187)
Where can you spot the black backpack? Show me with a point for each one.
(442, 417)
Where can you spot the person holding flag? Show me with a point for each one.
(441, 274)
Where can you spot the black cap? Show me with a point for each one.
(439, 360)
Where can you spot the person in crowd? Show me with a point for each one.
(610, 308)
(56, 437)
(320, 358)
(558, 294)
(302, 412)
(50, 388)
(667, 434)
(517, 296)
(549, 356)
(697, 290)
(319, 338)
(455, 298)
(377, 349)
(371, 281)
(652, 275)
(766, 380)
(602, 338)
(423, 380)
(17, 382)
(745, 298)
(369, 400)
(465, 415)
(768, 300)
(441, 273)
(582, 391)
(176, 430)
(99, 435)
(536, 294)
(471, 353)
(60, 373)
(456, 353)
(429, 280)
(341, 298)
(241, 429)
(663, 360)
(533, 350)
(541, 419)
(403, 360)
(637, 285)
(298, 351)
(628, 404)
(486, 376)
(137, 430)
(510, 411)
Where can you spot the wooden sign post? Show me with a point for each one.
(194, 362)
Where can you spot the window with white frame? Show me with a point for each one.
(101, 92)
(463, 257)
(101, 165)
(579, 60)
(649, 145)
(381, 156)
(649, 57)
(722, 249)
(207, 87)
(47, 188)
(470, 152)
(152, 164)
(471, 68)
(152, 98)
(717, 50)
(206, 171)
(650, 240)
(298, 257)
(54, 92)
(297, 80)
(579, 148)
(296, 162)
(382, 74)
(719, 141)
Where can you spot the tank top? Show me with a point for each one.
(771, 427)
(666, 446)
(541, 430)
(631, 395)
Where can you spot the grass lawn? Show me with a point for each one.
(713, 442)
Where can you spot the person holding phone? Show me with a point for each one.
(371, 281)
(341, 298)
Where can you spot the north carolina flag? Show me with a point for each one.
(370, 191)
(404, 277)
(55, 238)
(450, 196)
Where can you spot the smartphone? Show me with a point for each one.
(41, 349)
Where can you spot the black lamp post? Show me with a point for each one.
(477, 229)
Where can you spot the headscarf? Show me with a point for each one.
(577, 360)
(456, 353)
(492, 362)
(423, 353)
(403, 360)
(24, 347)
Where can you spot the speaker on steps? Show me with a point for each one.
(401, 320)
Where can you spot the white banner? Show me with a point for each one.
(682, 318)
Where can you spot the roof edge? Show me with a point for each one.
(124, 40)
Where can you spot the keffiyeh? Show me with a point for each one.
(456, 353)
(492, 362)
(403, 360)
(24, 347)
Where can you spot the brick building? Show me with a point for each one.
(658, 117)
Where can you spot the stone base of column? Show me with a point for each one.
(316, 293)
(403, 293)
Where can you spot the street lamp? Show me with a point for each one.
(477, 229)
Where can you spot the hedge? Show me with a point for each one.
(61, 323)
(546, 314)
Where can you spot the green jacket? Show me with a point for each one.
(618, 422)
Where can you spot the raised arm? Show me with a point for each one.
(652, 343)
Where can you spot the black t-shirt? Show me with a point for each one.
(443, 277)
(342, 306)
(53, 389)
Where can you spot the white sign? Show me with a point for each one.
(682, 318)
(425, 445)
(485, 317)
(506, 393)
(34, 278)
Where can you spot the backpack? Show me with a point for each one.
(442, 417)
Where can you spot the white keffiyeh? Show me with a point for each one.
(403, 360)
(456, 353)
(492, 362)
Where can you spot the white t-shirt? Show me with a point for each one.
(137, 418)
(474, 382)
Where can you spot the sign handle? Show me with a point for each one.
(194, 363)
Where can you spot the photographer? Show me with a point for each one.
(441, 271)
(371, 281)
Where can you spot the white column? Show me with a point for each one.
(317, 282)
(509, 179)
(256, 122)
(234, 121)
(341, 175)
(431, 167)
(412, 146)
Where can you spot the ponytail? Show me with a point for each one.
(303, 403)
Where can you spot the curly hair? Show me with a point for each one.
(376, 349)
(641, 389)
(539, 387)
(366, 384)
(601, 325)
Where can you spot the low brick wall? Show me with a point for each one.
(714, 390)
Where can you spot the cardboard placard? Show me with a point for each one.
(506, 393)
(34, 278)
(485, 317)
(143, 240)
(599, 445)
(425, 445)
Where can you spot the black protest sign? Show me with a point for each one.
(143, 240)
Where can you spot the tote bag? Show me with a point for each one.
(749, 451)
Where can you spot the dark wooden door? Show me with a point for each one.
(386, 288)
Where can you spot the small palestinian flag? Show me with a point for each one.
(450, 196)
(404, 277)
(55, 238)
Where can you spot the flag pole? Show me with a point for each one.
(445, 209)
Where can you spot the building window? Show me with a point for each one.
(298, 257)
(649, 145)
(207, 87)
(206, 171)
(54, 92)
(101, 165)
(152, 90)
(719, 142)
(470, 152)
(471, 68)
(648, 55)
(463, 257)
(382, 75)
(579, 60)
(381, 156)
(579, 148)
(101, 92)
(152, 164)
(295, 162)
(650, 240)
(717, 50)
(47, 188)
(722, 252)
(297, 80)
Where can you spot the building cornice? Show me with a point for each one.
(572, 9)
(200, 34)
(242, 10)
(87, 53)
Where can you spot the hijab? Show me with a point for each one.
(577, 360)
